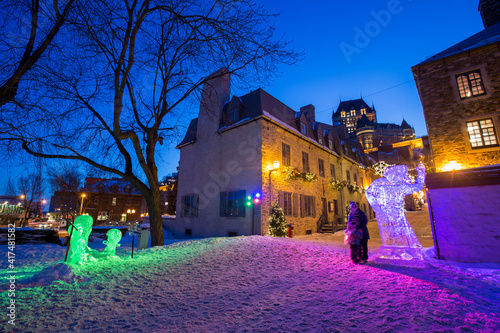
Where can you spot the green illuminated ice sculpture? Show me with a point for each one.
(80, 232)
(114, 237)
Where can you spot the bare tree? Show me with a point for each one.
(68, 180)
(31, 189)
(127, 70)
(27, 30)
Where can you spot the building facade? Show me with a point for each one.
(361, 124)
(254, 144)
(111, 200)
(460, 93)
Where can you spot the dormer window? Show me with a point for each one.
(363, 111)
(330, 144)
(234, 115)
(320, 139)
(353, 113)
(470, 84)
(342, 114)
(303, 128)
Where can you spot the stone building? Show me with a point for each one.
(254, 144)
(361, 124)
(460, 93)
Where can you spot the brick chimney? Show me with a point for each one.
(490, 12)
(309, 112)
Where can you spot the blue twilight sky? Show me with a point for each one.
(353, 48)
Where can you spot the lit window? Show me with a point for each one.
(303, 128)
(113, 202)
(470, 84)
(482, 133)
(363, 111)
(342, 114)
(353, 113)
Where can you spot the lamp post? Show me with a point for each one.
(81, 205)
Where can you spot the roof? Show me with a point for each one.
(485, 37)
(354, 104)
(260, 103)
(190, 136)
(113, 185)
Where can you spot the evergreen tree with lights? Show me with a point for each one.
(277, 222)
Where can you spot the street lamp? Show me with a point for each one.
(81, 205)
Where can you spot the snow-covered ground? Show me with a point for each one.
(249, 284)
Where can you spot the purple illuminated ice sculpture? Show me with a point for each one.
(386, 195)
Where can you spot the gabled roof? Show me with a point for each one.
(486, 37)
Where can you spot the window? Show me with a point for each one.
(113, 202)
(285, 152)
(330, 144)
(307, 206)
(303, 128)
(96, 201)
(320, 139)
(234, 115)
(355, 179)
(232, 204)
(363, 111)
(332, 171)
(348, 176)
(321, 166)
(336, 207)
(287, 203)
(353, 113)
(305, 162)
(190, 205)
(362, 182)
(482, 133)
(325, 132)
(342, 114)
(470, 84)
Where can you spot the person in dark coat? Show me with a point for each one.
(366, 236)
(358, 234)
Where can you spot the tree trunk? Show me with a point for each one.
(154, 207)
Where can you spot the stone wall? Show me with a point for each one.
(274, 182)
(445, 113)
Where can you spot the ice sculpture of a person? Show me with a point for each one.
(386, 196)
(79, 250)
(114, 237)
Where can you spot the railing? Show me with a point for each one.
(320, 224)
